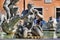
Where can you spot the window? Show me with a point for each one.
(48, 1)
(57, 12)
(40, 10)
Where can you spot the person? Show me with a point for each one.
(59, 18)
(54, 23)
(50, 22)
(42, 23)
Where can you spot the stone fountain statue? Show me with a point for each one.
(10, 8)
(31, 15)
(13, 7)
(7, 9)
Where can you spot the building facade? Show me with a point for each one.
(47, 8)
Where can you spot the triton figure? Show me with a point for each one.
(36, 20)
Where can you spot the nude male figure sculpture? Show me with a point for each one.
(5, 6)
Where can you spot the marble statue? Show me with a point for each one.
(5, 6)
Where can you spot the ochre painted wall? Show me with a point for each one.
(19, 4)
(48, 9)
(1, 6)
